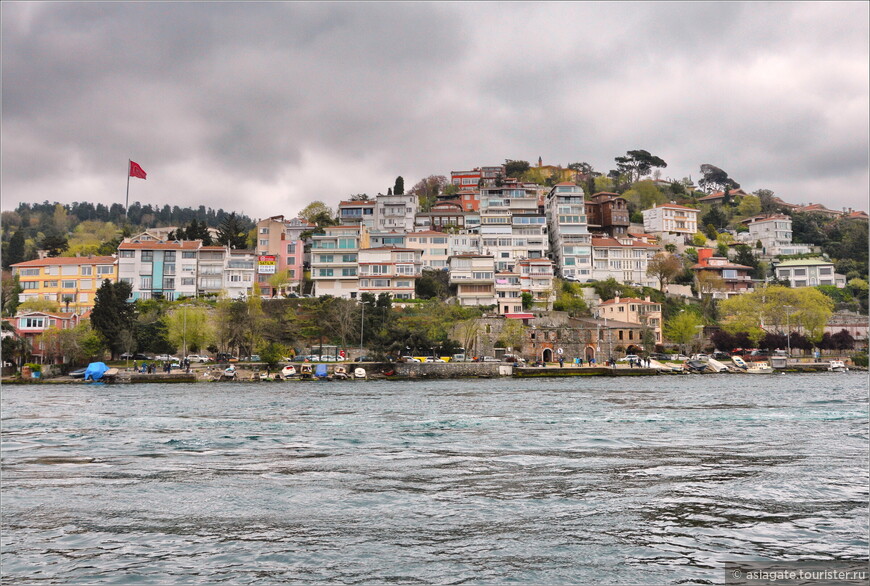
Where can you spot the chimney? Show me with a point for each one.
(616, 299)
(647, 299)
(703, 256)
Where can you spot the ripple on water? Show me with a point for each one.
(649, 480)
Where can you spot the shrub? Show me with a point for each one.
(860, 359)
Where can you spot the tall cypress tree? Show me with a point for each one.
(399, 187)
(113, 314)
(15, 252)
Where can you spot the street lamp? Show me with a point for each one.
(788, 309)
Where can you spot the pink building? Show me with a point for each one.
(280, 238)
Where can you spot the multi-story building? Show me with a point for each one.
(391, 238)
(443, 216)
(472, 274)
(608, 213)
(434, 247)
(536, 278)
(570, 240)
(774, 233)
(239, 272)
(389, 270)
(335, 260)
(282, 240)
(29, 325)
(160, 269)
(809, 272)
(463, 243)
(470, 199)
(356, 212)
(624, 259)
(635, 311)
(508, 292)
(70, 281)
(736, 278)
(671, 219)
(395, 212)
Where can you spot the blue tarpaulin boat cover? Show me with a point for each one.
(321, 371)
(95, 370)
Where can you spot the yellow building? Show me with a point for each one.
(70, 281)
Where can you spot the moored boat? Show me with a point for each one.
(288, 371)
(759, 368)
(340, 373)
(837, 366)
(359, 372)
(739, 362)
(321, 372)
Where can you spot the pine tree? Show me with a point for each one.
(113, 315)
(15, 252)
(399, 187)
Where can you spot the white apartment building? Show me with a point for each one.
(473, 276)
(464, 243)
(162, 269)
(389, 270)
(395, 212)
(624, 259)
(774, 233)
(434, 247)
(357, 212)
(570, 240)
(809, 272)
(241, 266)
(536, 278)
(671, 219)
(335, 260)
(634, 311)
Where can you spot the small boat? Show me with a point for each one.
(359, 372)
(716, 366)
(340, 373)
(741, 364)
(229, 373)
(837, 366)
(760, 368)
(696, 366)
(306, 371)
(96, 371)
(79, 373)
(288, 371)
(321, 372)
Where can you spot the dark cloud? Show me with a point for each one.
(264, 106)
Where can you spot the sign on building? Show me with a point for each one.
(266, 265)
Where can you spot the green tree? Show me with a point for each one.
(515, 169)
(664, 267)
(513, 335)
(715, 179)
(318, 213)
(750, 205)
(715, 217)
(699, 239)
(232, 232)
(570, 298)
(637, 164)
(37, 304)
(113, 314)
(765, 199)
(433, 283)
(11, 291)
(54, 244)
(399, 187)
(189, 328)
(527, 300)
(15, 251)
(771, 307)
(682, 328)
(428, 189)
(644, 195)
(271, 353)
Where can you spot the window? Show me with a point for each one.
(291, 248)
(264, 242)
(188, 282)
(348, 272)
(51, 270)
(31, 322)
(381, 283)
(29, 272)
(292, 273)
(49, 284)
(68, 284)
(235, 278)
(145, 282)
(169, 256)
(147, 255)
(128, 280)
(105, 269)
(188, 254)
(169, 269)
(347, 242)
(324, 273)
(121, 254)
(30, 285)
(348, 258)
(210, 283)
(83, 297)
(324, 258)
(69, 270)
(291, 260)
(169, 283)
(264, 230)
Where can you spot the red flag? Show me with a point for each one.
(136, 170)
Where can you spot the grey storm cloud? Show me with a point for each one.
(263, 107)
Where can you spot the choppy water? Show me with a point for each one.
(647, 480)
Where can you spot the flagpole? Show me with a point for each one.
(127, 199)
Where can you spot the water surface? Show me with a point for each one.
(594, 480)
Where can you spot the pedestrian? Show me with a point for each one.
(561, 362)
(580, 362)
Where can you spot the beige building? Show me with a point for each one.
(536, 278)
(473, 275)
(671, 219)
(389, 270)
(70, 281)
(634, 311)
(335, 260)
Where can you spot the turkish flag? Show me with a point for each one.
(136, 170)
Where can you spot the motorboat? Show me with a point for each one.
(359, 373)
(716, 366)
(79, 373)
(288, 371)
(739, 362)
(340, 373)
(229, 373)
(759, 368)
(306, 371)
(837, 366)
(696, 366)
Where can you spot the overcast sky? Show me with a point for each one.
(262, 108)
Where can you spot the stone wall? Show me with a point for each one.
(452, 369)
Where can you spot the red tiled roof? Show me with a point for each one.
(66, 260)
(674, 206)
(355, 203)
(629, 300)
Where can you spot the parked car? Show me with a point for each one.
(459, 358)
(679, 357)
(364, 359)
(164, 357)
(225, 357)
(721, 355)
(252, 358)
(409, 359)
(660, 356)
(433, 359)
(628, 358)
(328, 358)
(198, 358)
(137, 356)
(490, 359)
(514, 358)
(701, 357)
